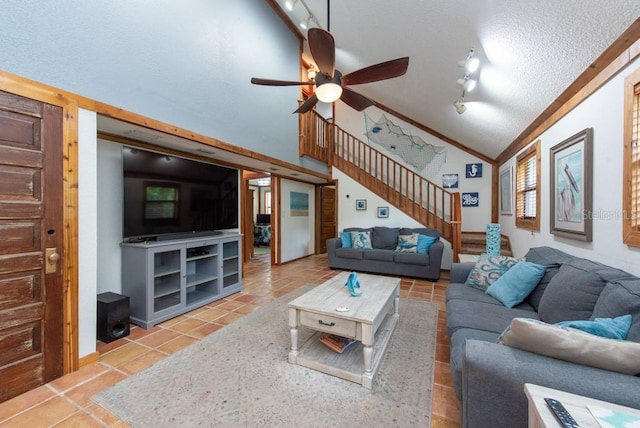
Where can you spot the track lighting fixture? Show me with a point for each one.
(470, 64)
(290, 4)
(307, 22)
(459, 105)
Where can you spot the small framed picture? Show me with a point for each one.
(470, 199)
(383, 212)
(473, 170)
(361, 204)
(450, 181)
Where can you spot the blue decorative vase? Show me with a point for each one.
(493, 239)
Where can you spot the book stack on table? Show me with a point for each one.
(336, 343)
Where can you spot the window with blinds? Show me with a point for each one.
(528, 188)
(631, 162)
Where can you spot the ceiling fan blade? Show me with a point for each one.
(355, 100)
(307, 105)
(271, 82)
(323, 49)
(373, 73)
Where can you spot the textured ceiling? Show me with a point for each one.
(530, 52)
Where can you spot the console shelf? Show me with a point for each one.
(165, 279)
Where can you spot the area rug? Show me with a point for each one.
(239, 376)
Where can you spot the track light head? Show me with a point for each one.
(467, 83)
(460, 107)
(290, 4)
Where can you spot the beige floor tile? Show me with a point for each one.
(210, 314)
(81, 394)
(79, 420)
(124, 354)
(177, 344)
(159, 338)
(73, 379)
(22, 402)
(142, 362)
(44, 414)
(187, 325)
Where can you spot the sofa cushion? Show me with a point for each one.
(552, 259)
(612, 328)
(516, 284)
(411, 258)
(574, 290)
(380, 255)
(488, 269)
(464, 292)
(483, 316)
(345, 239)
(420, 230)
(349, 253)
(385, 238)
(573, 345)
(408, 243)
(361, 239)
(425, 242)
(619, 298)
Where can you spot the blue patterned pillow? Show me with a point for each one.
(361, 239)
(345, 237)
(408, 243)
(487, 270)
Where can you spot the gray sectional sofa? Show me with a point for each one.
(383, 257)
(489, 377)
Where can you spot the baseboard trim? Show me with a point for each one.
(88, 359)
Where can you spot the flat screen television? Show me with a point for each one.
(167, 195)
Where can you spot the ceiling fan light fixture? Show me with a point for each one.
(329, 92)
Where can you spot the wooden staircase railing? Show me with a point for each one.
(421, 199)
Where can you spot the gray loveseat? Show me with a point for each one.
(489, 377)
(383, 257)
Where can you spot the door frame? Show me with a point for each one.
(69, 152)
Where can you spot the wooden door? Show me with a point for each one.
(249, 217)
(31, 240)
(327, 217)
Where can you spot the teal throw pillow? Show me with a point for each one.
(361, 239)
(345, 237)
(408, 243)
(516, 283)
(611, 328)
(424, 243)
(488, 269)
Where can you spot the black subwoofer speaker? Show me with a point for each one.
(113, 316)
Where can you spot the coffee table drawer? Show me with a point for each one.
(329, 324)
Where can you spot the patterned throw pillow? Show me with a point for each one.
(408, 243)
(361, 239)
(487, 270)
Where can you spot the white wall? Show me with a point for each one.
(87, 231)
(602, 111)
(473, 218)
(297, 234)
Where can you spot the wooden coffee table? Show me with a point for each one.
(368, 320)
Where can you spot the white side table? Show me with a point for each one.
(468, 258)
(540, 415)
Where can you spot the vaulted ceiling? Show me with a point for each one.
(530, 53)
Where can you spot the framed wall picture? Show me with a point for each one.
(473, 170)
(450, 181)
(361, 204)
(383, 212)
(571, 186)
(470, 199)
(506, 192)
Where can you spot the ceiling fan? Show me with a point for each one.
(330, 83)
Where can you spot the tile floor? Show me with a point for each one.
(66, 402)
